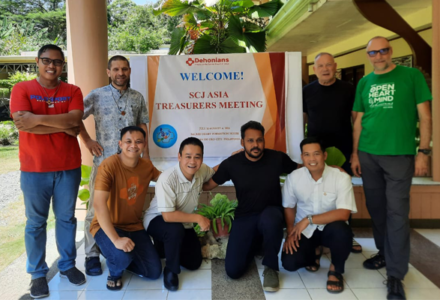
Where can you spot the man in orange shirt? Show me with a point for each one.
(120, 189)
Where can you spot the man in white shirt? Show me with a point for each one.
(317, 203)
(170, 218)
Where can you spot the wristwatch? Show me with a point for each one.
(425, 151)
(310, 219)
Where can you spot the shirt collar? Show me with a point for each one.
(182, 178)
(115, 90)
(324, 174)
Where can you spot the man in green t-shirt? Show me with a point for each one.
(389, 101)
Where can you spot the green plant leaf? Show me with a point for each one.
(177, 36)
(176, 8)
(335, 157)
(251, 27)
(84, 194)
(190, 21)
(223, 223)
(256, 42)
(86, 171)
(214, 226)
(203, 45)
(230, 46)
(267, 9)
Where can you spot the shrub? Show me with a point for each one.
(8, 133)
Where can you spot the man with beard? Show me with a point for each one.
(114, 107)
(259, 218)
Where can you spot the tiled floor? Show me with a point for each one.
(359, 283)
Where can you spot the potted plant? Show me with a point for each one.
(221, 214)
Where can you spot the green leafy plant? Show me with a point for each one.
(8, 133)
(221, 208)
(84, 193)
(335, 157)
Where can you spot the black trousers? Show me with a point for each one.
(387, 183)
(182, 246)
(247, 235)
(336, 236)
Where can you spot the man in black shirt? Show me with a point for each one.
(259, 217)
(327, 106)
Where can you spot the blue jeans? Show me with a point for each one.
(38, 189)
(142, 260)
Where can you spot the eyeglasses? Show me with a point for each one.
(47, 61)
(373, 53)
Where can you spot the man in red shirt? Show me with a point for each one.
(47, 113)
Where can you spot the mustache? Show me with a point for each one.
(255, 148)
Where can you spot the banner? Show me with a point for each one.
(211, 96)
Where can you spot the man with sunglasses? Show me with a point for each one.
(47, 113)
(388, 102)
(114, 106)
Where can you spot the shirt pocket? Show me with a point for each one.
(328, 201)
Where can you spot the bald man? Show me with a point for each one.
(388, 102)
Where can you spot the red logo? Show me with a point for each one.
(189, 62)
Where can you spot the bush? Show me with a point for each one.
(8, 133)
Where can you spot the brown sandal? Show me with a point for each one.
(339, 284)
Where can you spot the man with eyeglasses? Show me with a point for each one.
(114, 106)
(47, 113)
(388, 102)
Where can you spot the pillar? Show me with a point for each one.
(436, 89)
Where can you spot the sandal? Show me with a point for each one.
(356, 247)
(114, 284)
(376, 262)
(315, 267)
(339, 284)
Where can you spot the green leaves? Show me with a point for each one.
(265, 10)
(178, 41)
(84, 194)
(253, 41)
(176, 8)
(335, 157)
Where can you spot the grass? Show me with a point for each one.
(12, 234)
(9, 159)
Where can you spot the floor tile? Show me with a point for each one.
(62, 284)
(79, 263)
(102, 295)
(190, 295)
(320, 294)
(431, 234)
(314, 280)
(367, 244)
(369, 254)
(145, 295)
(64, 295)
(416, 280)
(97, 283)
(195, 280)
(206, 264)
(283, 294)
(288, 280)
(370, 294)
(363, 278)
(425, 294)
(138, 283)
(355, 261)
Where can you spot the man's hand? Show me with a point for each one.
(125, 244)
(94, 147)
(289, 245)
(204, 223)
(355, 165)
(25, 120)
(338, 167)
(238, 151)
(295, 234)
(421, 165)
(74, 131)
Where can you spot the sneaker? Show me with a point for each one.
(93, 266)
(375, 262)
(271, 281)
(39, 288)
(395, 289)
(74, 275)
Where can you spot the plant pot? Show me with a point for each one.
(222, 232)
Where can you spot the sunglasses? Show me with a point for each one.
(47, 61)
(373, 53)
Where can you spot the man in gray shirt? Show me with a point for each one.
(114, 107)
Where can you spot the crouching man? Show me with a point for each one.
(317, 203)
(170, 218)
(120, 189)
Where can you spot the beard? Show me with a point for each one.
(121, 82)
(249, 153)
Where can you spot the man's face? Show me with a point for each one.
(253, 143)
(313, 157)
(325, 68)
(132, 144)
(119, 73)
(380, 62)
(190, 161)
(50, 72)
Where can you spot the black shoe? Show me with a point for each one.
(74, 276)
(39, 288)
(170, 280)
(395, 289)
(93, 266)
(376, 262)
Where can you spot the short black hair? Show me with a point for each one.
(50, 47)
(131, 129)
(190, 141)
(251, 125)
(117, 57)
(312, 140)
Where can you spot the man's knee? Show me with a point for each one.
(175, 231)
(290, 263)
(155, 270)
(272, 218)
(194, 264)
(234, 272)
(341, 231)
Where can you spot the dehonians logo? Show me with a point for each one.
(207, 61)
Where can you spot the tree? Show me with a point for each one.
(223, 26)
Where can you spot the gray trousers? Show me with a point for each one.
(90, 246)
(387, 183)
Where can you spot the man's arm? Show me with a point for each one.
(182, 217)
(93, 146)
(357, 128)
(422, 161)
(25, 120)
(146, 153)
(353, 116)
(211, 184)
(289, 245)
(103, 215)
(40, 129)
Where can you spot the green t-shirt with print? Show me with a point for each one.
(389, 103)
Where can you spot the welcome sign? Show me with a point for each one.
(211, 96)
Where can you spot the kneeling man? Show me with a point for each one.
(170, 218)
(120, 189)
(317, 203)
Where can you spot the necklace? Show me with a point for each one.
(116, 101)
(49, 99)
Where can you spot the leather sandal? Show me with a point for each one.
(315, 267)
(339, 284)
(356, 244)
(114, 284)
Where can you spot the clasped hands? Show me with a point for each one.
(292, 240)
